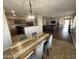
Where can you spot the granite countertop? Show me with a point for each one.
(21, 49)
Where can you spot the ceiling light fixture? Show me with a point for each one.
(31, 16)
(14, 14)
(12, 11)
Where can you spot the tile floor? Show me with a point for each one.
(62, 47)
(61, 50)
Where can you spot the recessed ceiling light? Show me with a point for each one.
(12, 11)
(14, 14)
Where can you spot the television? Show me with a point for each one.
(53, 22)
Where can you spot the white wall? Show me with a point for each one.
(40, 21)
(6, 34)
(74, 31)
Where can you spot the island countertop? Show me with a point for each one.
(22, 49)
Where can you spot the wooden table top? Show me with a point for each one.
(21, 49)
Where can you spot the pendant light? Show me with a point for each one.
(31, 16)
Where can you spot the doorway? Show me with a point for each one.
(66, 25)
(65, 29)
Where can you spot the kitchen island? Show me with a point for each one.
(23, 49)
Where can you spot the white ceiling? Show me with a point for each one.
(49, 8)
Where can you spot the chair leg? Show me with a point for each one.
(42, 57)
(48, 52)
